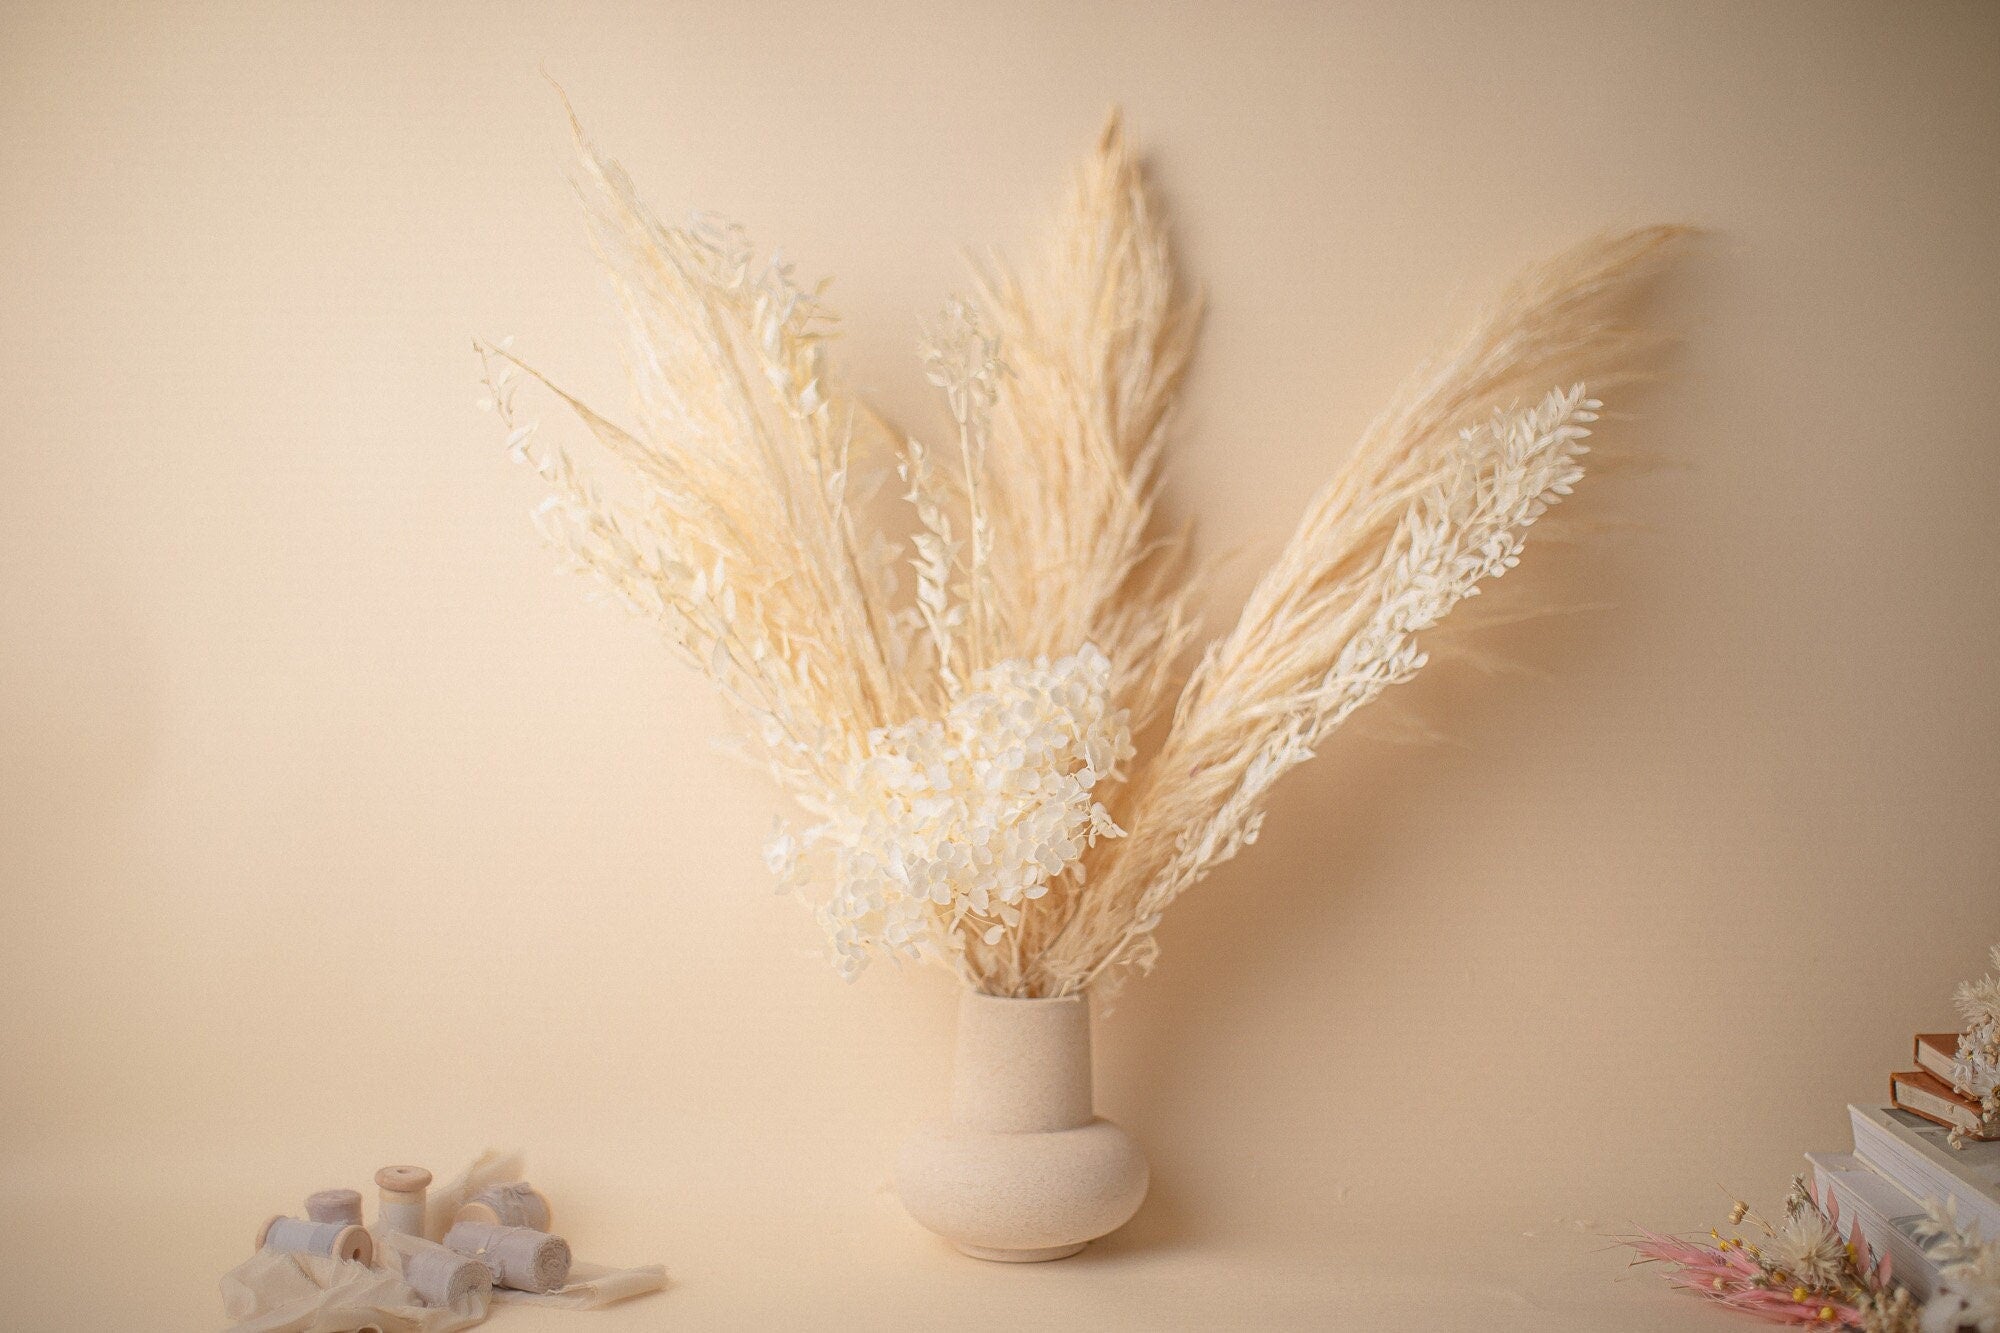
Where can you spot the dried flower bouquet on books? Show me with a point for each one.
(1801, 1272)
(983, 705)
(1975, 1066)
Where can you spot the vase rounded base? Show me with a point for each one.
(1040, 1256)
(1021, 1198)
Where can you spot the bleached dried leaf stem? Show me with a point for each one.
(964, 751)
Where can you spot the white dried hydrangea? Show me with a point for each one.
(1968, 1266)
(1808, 1249)
(1976, 1069)
(958, 821)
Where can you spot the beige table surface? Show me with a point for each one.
(337, 828)
(807, 1254)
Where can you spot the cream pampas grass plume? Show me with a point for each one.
(984, 710)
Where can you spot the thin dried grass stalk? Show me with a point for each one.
(964, 750)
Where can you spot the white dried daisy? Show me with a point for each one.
(1807, 1250)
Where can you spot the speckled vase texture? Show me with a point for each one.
(1022, 1170)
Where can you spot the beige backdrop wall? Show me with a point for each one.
(337, 828)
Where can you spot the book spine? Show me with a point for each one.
(1920, 1180)
(1907, 1260)
(1940, 1105)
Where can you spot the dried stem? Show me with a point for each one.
(963, 752)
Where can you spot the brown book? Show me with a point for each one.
(1923, 1093)
(1934, 1053)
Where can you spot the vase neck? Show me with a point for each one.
(1022, 1066)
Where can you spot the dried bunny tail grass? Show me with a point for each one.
(1096, 335)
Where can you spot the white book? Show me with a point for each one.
(1862, 1198)
(1917, 1155)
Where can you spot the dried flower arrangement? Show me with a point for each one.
(1007, 765)
(1803, 1273)
(1975, 1072)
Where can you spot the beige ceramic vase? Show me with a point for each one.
(1022, 1170)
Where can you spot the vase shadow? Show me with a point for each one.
(1163, 1223)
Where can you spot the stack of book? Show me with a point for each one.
(1901, 1159)
(1927, 1090)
